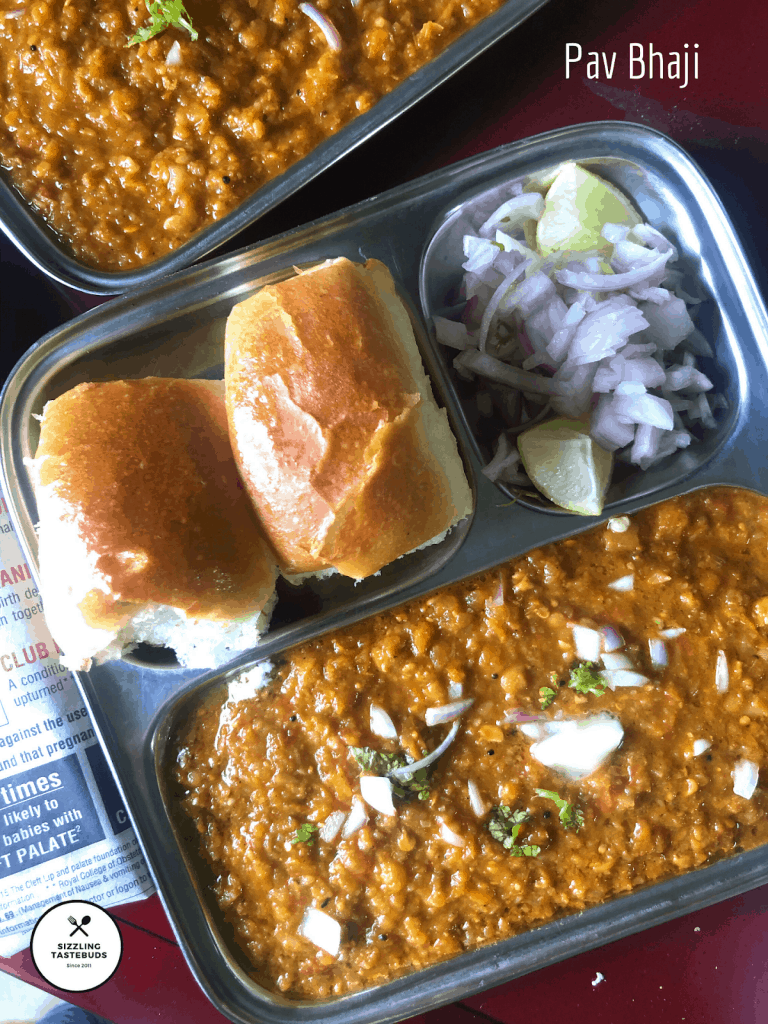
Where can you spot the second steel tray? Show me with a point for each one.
(175, 328)
(41, 245)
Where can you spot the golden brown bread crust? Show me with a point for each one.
(343, 451)
(142, 471)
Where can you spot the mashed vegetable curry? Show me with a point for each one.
(487, 841)
(128, 150)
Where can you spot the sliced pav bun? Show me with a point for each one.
(146, 533)
(345, 454)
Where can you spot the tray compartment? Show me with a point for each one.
(664, 210)
(191, 344)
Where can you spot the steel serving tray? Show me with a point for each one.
(43, 247)
(176, 328)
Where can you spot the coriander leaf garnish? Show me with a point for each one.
(586, 679)
(163, 14)
(306, 833)
(570, 815)
(377, 762)
(505, 825)
(412, 785)
(546, 696)
(404, 786)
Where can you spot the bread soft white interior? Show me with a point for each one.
(146, 533)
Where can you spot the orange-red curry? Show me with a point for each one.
(405, 894)
(128, 151)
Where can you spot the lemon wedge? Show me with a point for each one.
(566, 465)
(576, 207)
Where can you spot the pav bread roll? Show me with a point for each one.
(146, 533)
(337, 436)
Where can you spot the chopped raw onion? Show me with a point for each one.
(578, 747)
(325, 25)
(494, 369)
(650, 236)
(495, 302)
(447, 712)
(623, 583)
(332, 826)
(669, 323)
(514, 213)
(631, 403)
(613, 662)
(613, 282)
(607, 429)
(455, 691)
(722, 676)
(619, 524)
(321, 930)
(658, 652)
(745, 776)
(381, 724)
(505, 466)
(624, 677)
(479, 807)
(451, 333)
(614, 232)
(672, 634)
(565, 326)
(700, 746)
(481, 255)
(612, 639)
(174, 54)
(451, 837)
(587, 642)
(604, 331)
(537, 729)
(358, 816)
(376, 790)
(425, 762)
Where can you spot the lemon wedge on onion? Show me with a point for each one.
(577, 205)
(567, 465)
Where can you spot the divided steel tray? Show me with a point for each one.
(176, 329)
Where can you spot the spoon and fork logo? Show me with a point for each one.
(79, 927)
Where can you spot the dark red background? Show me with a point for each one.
(708, 967)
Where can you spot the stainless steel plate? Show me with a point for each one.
(37, 241)
(175, 328)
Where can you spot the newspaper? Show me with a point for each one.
(64, 832)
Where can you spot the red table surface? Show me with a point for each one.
(708, 967)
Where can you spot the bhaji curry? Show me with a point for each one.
(127, 151)
(327, 894)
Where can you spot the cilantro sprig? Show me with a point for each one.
(415, 784)
(585, 678)
(163, 14)
(505, 826)
(306, 833)
(571, 817)
(546, 696)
